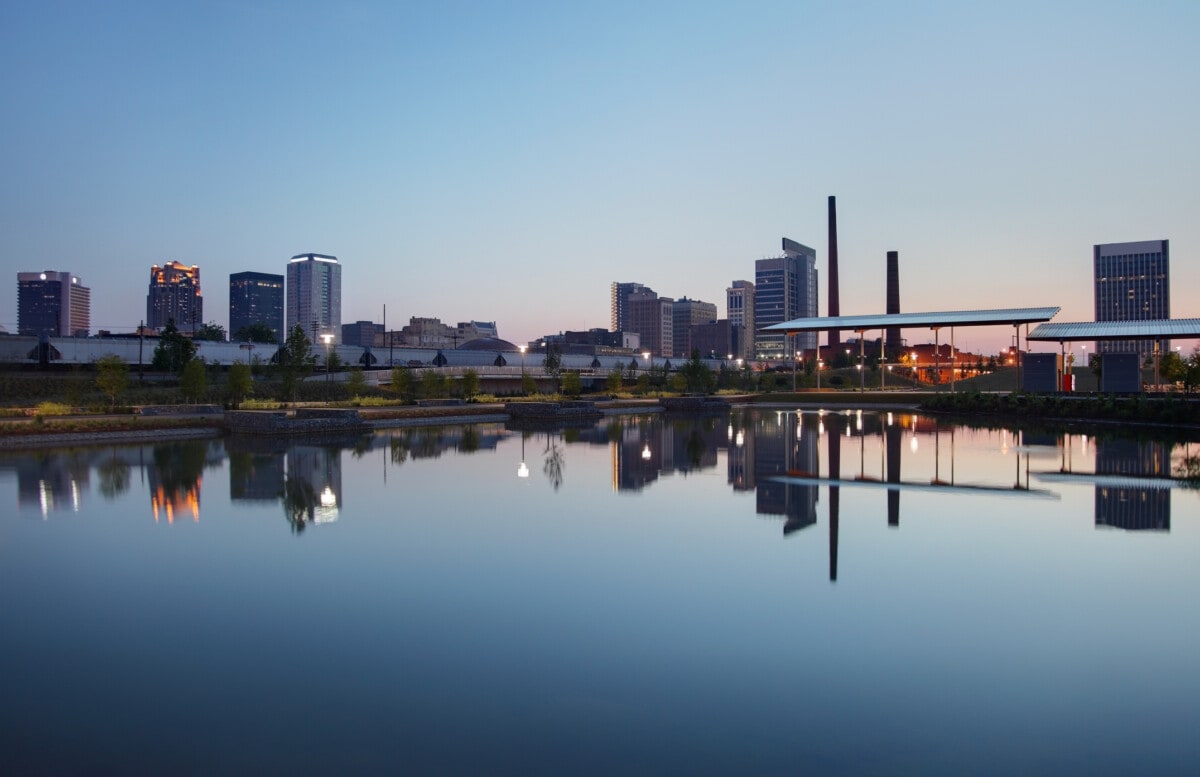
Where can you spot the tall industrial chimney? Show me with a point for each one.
(835, 307)
(892, 340)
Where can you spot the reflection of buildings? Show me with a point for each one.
(647, 447)
(785, 446)
(255, 476)
(54, 483)
(175, 480)
(316, 475)
(1133, 507)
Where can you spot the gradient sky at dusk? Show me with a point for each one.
(507, 162)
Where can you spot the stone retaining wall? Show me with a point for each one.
(305, 421)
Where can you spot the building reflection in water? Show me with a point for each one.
(175, 477)
(49, 483)
(1142, 499)
(313, 485)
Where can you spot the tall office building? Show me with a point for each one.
(685, 314)
(653, 318)
(314, 296)
(1132, 284)
(53, 303)
(256, 298)
(785, 287)
(739, 307)
(175, 296)
(619, 298)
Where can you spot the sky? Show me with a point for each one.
(509, 161)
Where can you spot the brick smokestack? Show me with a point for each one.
(834, 304)
(893, 299)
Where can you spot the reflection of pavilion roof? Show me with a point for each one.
(940, 486)
(948, 318)
(488, 344)
(1180, 328)
(1111, 481)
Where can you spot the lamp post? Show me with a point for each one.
(328, 338)
(522, 348)
(646, 356)
(819, 372)
(795, 359)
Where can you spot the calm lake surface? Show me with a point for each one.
(757, 593)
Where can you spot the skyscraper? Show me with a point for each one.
(175, 296)
(314, 296)
(739, 307)
(52, 303)
(685, 314)
(652, 317)
(785, 287)
(256, 298)
(620, 304)
(1132, 284)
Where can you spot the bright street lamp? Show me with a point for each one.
(328, 339)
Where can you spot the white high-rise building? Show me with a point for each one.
(314, 296)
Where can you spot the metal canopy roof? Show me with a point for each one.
(1010, 316)
(1182, 328)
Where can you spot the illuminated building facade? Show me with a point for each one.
(175, 296)
(314, 296)
(256, 298)
(1133, 283)
(52, 303)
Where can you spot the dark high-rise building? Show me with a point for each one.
(1132, 284)
(175, 296)
(361, 333)
(619, 300)
(314, 295)
(52, 303)
(685, 314)
(256, 298)
(785, 288)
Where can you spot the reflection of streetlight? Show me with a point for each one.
(646, 452)
(522, 470)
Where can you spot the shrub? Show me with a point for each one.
(50, 409)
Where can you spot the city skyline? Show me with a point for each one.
(613, 143)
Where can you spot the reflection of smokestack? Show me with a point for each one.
(835, 306)
(893, 435)
(893, 298)
(834, 436)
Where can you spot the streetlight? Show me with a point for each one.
(522, 348)
(646, 356)
(328, 340)
(819, 363)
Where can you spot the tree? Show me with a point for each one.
(402, 383)
(433, 384)
(572, 386)
(528, 384)
(333, 362)
(697, 376)
(552, 364)
(470, 384)
(173, 351)
(1172, 367)
(258, 332)
(238, 384)
(296, 361)
(356, 383)
(194, 380)
(112, 377)
(614, 381)
(210, 331)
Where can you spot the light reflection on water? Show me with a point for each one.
(764, 591)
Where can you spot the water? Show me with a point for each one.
(641, 597)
